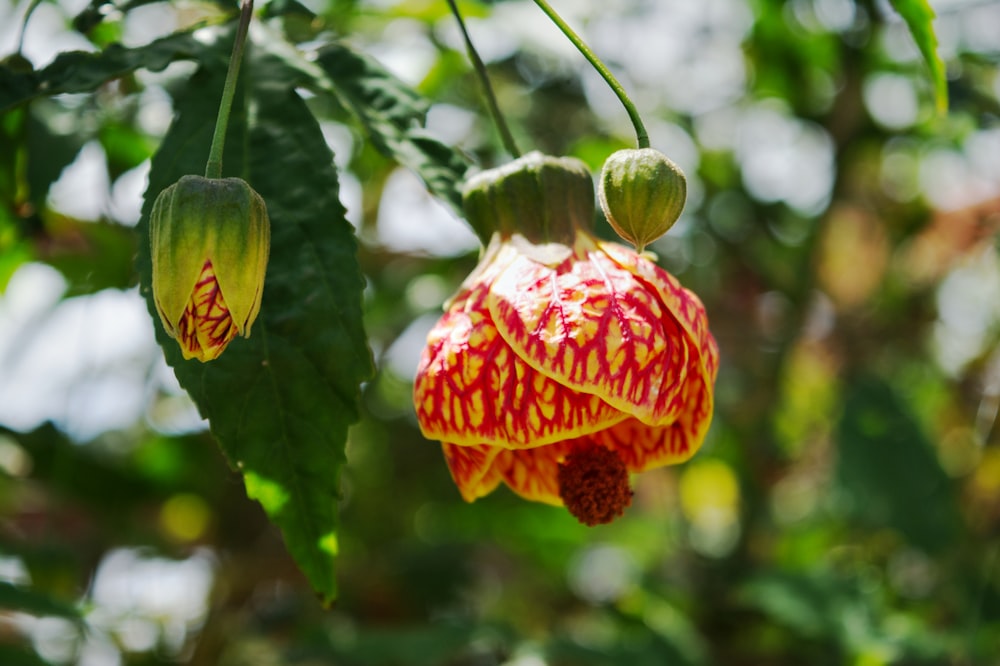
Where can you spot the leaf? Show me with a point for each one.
(80, 71)
(26, 600)
(888, 470)
(47, 154)
(919, 17)
(11, 655)
(394, 116)
(280, 402)
(810, 605)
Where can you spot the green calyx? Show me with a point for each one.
(221, 220)
(543, 198)
(642, 194)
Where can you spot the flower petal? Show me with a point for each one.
(472, 469)
(644, 447)
(471, 388)
(533, 473)
(206, 326)
(590, 324)
(685, 305)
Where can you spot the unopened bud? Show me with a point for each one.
(642, 193)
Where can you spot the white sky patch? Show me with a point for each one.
(968, 301)
(143, 600)
(891, 99)
(81, 363)
(411, 220)
(785, 159)
(403, 354)
(125, 204)
(46, 35)
(405, 50)
(82, 189)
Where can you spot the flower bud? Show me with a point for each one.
(642, 194)
(209, 240)
(541, 197)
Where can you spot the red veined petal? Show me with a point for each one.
(685, 305)
(472, 469)
(206, 326)
(471, 388)
(589, 324)
(533, 473)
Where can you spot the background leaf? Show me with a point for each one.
(394, 116)
(888, 470)
(27, 600)
(919, 17)
(285, 425)
(79, 71)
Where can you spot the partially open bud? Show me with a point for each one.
(209, 239)
(642, 194)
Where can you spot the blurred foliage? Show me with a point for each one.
(840, 229)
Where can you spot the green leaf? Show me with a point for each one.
(79, 71)
(26, 600)
(393, 115)
(11, 655)
(91, 255)
(95, 13)
(279, 402)
(47, 153)
(919, 17)
(888, 470)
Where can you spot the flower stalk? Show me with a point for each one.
(642, 137)
(484, 78)
(214, 167)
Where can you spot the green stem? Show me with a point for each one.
(484, 79)
(642, 138)
(214, 167)
(24, 25)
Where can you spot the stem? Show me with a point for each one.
(24, 25)
(642, 138)
(484, 78)
(214, 167)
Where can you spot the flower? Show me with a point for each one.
(564, 362)
(209, 241)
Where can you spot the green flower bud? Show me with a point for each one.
(642, 194)
(543, 198)
(209, 240)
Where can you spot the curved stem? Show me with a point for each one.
(642, 137)
(214, 167)
(505, 136)
(24, 24)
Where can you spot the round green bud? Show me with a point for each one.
(642, 194)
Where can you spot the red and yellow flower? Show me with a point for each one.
(564, 362)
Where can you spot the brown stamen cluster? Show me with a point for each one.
(593, 483)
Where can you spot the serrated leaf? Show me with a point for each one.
(80, 71)
(391, 113)
(394, 116)
(27, 600)
(279, 402)
(919, 17)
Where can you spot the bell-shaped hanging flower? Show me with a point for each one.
(209, 240)
(563, 363)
